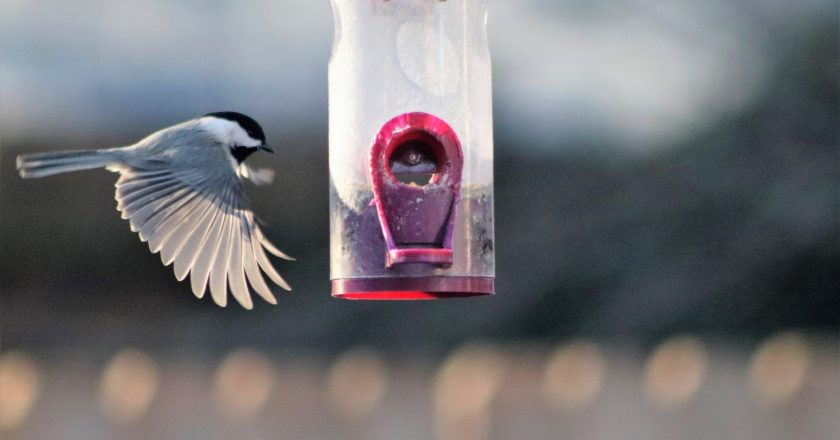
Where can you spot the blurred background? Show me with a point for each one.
(668, 262)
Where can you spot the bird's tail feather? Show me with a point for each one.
(47, 164)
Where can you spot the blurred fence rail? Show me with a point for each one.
(686, 387)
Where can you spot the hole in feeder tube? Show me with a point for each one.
(416, 162)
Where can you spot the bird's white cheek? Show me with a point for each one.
(240, 137)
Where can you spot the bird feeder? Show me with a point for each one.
(410, 150)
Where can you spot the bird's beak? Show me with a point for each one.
(266, 147)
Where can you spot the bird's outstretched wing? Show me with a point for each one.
(195, 213)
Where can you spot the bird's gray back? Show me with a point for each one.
(185, 146)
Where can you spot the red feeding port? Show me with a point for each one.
(416, 164)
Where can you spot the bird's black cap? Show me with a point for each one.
(246, 122)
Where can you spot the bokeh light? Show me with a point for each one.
(574, 375)
(464, 389)
(356, 384)
(20, 383)
(242, 385)
(675, 371)
(129, 384)
(779, 369)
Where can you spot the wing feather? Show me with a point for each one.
(138, 185)
(258, 255)
(195, 233)
(252, 270)
(149, 197)
(200, 271)
(192, 209)
(219, 268)
(178, 197)
(262, 258)
(141, 192)
(169, 238)
(269, 246)
(236, 270)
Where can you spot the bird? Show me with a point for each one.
(181, 190)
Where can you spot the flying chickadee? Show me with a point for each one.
(181, 190)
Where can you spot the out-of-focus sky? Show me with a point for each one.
(625, 75)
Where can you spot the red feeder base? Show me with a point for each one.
(412, 288)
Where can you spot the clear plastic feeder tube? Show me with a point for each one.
(410, 150)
